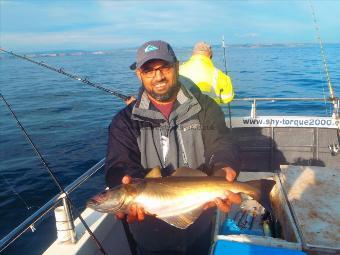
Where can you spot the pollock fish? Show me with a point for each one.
(178, 199)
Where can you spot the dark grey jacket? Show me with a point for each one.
(198, 138)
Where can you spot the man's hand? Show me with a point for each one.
(130, 100)
(230, 174)
(135, 212)
(225, 204)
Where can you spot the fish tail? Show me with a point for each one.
(264, 187)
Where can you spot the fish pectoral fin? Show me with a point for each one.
(186, 171)
(184, 220)
(154, 173)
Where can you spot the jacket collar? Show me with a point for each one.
(198, 57)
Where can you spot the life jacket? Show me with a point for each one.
(211, 81)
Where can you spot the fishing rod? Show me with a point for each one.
(72, 76)
(224, 56)
(226, 72)
(56, 181)
(330, 87)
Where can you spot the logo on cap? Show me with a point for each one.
(150, 48)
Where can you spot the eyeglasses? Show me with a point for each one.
(151, 72)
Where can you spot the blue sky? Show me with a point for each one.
(33, 25)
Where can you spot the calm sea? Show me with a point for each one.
(68, 120)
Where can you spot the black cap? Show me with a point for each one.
(154, 50)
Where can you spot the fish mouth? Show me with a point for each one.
(97, 206)
(93, 204)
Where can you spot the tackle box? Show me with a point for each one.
(306, 203)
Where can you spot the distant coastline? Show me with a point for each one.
(61, 53)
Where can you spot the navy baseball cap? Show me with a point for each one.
(154, 50)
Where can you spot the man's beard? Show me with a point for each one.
(165, 97)
(168, 95)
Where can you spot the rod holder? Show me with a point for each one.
(336, 107)
(253, 109)
(64, 223)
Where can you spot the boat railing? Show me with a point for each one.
(51, 204)
(335, 101)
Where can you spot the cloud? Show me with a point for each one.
(248, 35)
(66, 40)
(174, 16)
(101, 24)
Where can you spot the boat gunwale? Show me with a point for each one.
(52, 203)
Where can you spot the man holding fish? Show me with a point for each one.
(154, 145)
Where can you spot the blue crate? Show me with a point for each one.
(229, 227)
(224, 247)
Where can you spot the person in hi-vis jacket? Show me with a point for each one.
(210, 80)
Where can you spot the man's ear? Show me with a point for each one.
(177, 66)
(139, 75)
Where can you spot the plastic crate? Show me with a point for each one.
(223, 247)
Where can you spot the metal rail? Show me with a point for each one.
(284, 99)
(335, 101)
(30, 221)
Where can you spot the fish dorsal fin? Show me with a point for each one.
(154, 173)
(186, 171)
(184, 220)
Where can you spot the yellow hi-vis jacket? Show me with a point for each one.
(211, 81)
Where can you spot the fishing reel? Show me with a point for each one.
(334, 148)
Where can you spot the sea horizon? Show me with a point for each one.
(75, 52)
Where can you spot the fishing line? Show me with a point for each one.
(72, 76)
(324, 91)
(28, 207)
(56, 181)
(226, 72)
(330, 88)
